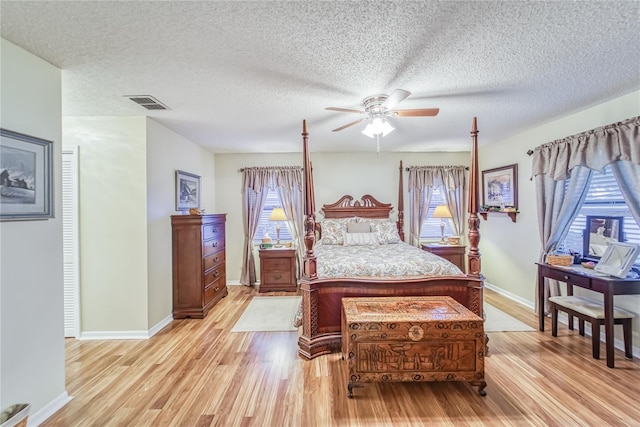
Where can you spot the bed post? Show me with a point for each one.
(401, 205)
(473, 257)
(309, 271)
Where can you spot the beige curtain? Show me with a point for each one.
(289, 184)
(562, 171)
(256, 183)
(422, 181)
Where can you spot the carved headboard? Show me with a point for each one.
(347, 207)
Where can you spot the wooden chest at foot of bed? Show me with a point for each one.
(391, 339)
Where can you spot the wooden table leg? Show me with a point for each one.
(608, 328)
(540, 300)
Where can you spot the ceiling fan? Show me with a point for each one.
(378, 108)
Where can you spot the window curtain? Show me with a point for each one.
(289, 185)
(256, 182)
(573, 158)
(422, 182)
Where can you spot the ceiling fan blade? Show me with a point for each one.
(395, 98)
(419, 112)
(355, 122)
(344, 110)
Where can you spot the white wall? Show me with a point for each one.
(166, 152)
(335, 174)
(509, 251)
(31, 286)
(113, 221)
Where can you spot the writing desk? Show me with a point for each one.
(588, 279)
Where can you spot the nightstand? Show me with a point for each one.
(453, 253)
(278, 270)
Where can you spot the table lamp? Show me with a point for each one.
(442, 212)
(277, 215)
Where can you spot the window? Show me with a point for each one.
(269, 227)
(431, 227)
(604, 198)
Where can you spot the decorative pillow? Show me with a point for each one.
(358, 227)
(333, 232)
(360, 239)
(386, 231)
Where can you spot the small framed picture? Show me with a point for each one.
(187, 191)
(26, 177)
(500, 187)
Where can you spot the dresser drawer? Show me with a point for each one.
(569, 277)
(278, 277)
(276, 264)
(214, 274)
(213, 230)
(213, 290)
(210, 247)
(212, 260)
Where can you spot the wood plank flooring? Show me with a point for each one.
(198, 373)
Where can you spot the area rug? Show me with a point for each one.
(268, 314)
(497, 320)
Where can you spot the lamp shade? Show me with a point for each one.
(277, 214)
(442, 211)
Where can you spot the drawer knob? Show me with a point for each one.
(214, 229)
(216, 273)
(566, 277)
(215, 259)
(278, 277)
(216, 289)
(214, 245)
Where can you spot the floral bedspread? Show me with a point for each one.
(380, 261)
(392, 260)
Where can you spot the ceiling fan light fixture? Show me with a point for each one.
(378, 126)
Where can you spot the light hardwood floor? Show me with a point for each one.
(198, 373)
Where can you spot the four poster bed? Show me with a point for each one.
(323, 284)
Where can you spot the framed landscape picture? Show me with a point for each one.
(25, 177)
(500, 187)
(187, 191)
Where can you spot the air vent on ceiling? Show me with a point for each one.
(147, 101)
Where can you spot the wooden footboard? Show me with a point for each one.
(322, 301)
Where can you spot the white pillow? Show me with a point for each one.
(387, 232)
(333, 232)
(360, 239)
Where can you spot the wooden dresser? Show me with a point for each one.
(199, 279)
(453, 253)
(278, 270)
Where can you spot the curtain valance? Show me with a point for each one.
(258, 178)
(451, 177)
(593, 149)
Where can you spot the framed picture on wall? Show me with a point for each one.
(25, 177)
(500, 187)
(187, 191)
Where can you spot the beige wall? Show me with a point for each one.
(166, 152)
(113, 232)
(31, 284)
(335, 174)
(127, 195)
(510, 250)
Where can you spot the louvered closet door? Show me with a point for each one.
(70, 241)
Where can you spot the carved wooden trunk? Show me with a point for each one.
(412, 339)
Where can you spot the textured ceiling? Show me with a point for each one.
(241, 76)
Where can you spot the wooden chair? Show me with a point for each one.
(586, 309)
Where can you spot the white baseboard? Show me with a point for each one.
(562, 318)
(126, 335)
(48, 410)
